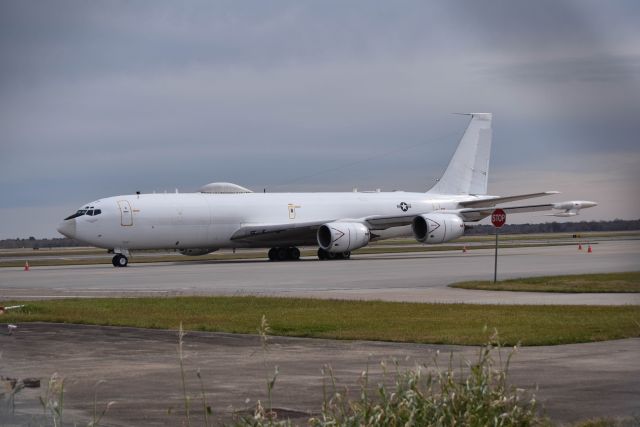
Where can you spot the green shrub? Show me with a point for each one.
(476, 394)
(435, 397)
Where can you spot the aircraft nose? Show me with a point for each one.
(68, 228)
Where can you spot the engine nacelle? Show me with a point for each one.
(197, 251)
(437, 228)
(338, 237)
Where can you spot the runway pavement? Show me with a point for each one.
(418, 277)
(142, 374)
(141, 366)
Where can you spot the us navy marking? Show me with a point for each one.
(404, 206)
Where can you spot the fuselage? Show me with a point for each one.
(226, 215)
(203, 220)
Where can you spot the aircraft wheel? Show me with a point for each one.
(346, 255)
(282, 254)
(322, 254)
(331, 256)
(120, 260)
(273, 254)
(294, 253)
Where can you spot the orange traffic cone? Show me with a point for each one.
(589, 250)
(579, 246)
(26, 266)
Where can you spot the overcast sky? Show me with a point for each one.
(100, 98)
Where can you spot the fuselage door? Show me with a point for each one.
(126, 216)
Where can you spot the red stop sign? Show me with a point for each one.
(498, 218)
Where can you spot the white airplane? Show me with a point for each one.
(224, 215)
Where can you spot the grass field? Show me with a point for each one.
(610, 282)
(357, 320)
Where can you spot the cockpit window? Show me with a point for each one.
(90, 212)
(77, 214)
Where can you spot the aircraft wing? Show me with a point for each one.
(306, 231)
(379, 222)
(570, 208)
(473, 210)
(300, 231)
(476, 214)
(486, 202)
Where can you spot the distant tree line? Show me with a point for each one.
(547, 227)
(558, 227)
(33, 243)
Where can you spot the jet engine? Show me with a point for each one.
(338, 237)
(197, 251)
(437, 228)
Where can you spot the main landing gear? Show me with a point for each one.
(284, 254)
(326, 255)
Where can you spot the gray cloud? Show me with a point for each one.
(615, 69)
(103, 98)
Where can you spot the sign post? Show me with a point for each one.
(498, 218)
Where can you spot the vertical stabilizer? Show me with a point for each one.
(468, 170)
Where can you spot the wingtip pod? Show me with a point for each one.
(562, 214)
(575, 204)
(571, 208)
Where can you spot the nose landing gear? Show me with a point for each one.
(120, 260)
(121, 257)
